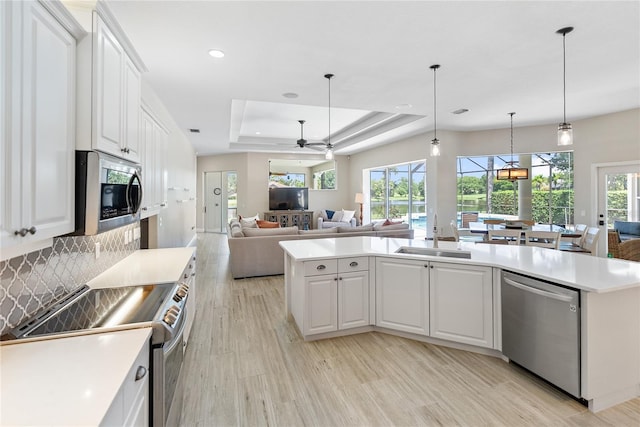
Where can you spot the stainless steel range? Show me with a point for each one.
(159, 306)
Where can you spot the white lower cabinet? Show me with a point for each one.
(336, 295)
(461, 303)
(402, 295)
(131, 405)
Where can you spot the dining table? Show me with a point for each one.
(482, 228)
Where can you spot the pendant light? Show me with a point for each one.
(329, 153)
(512, 170)
(435, 142)
(565, 132)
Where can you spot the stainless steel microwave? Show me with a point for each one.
(108, 192)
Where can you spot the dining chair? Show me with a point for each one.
(510, 236)
(525, 221)
(630, 250)
(468, 217)
(590, 241)
(613, 243)
(544, 239)
(463, 235)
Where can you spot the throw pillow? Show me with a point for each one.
(330, 214)
(323, 215)
(347, 215)
(248, 223)
(267, 224)
(337, 216)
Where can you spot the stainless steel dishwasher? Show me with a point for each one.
(541, 329)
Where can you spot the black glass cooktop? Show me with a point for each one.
(99, 308)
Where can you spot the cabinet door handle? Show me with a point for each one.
(321, 267)
(32, 230)
(426, 266)
(353, 264)
(22, 232)
(141, 372)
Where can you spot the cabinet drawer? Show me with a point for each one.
(353, 264)
(324, 266)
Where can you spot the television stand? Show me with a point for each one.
(302, 219)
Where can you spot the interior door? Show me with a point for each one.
(618, 197)
(213, 206)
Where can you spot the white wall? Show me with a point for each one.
(253, 179)
(176, 224)
(610, 138)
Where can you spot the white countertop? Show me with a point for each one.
(145, 266)
(65, 381)
(580, 271)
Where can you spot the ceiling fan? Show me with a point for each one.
(303, 142)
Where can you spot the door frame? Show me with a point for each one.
(598, 196)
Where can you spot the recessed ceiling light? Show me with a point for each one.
(258, 133)
(460, 111)
(403, 106)
(290, 95)
(216, 53)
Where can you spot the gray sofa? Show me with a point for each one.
(256, 252)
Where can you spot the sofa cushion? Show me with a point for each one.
(249, 222)
(254, 232)
(342, 229)
(393, 226)
(318, 231)
(627, 227)
(337, 216)
(347, 215)
(267, 224)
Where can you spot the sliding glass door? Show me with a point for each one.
(399, 192)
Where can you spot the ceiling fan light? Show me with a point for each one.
(435, 147)
(565, 134)
(328, 155)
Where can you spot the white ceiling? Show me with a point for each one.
(495, 57)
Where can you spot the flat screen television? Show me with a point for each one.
(288, 198)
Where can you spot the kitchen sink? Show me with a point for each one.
(434, 252)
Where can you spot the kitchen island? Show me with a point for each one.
(344, 286)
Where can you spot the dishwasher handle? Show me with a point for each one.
(553, 295)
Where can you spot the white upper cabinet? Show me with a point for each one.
(109, 89)
(153, 148)
(38, 128)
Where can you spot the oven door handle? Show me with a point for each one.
(174, 342)
(553, 295)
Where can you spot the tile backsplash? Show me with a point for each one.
(31, 282)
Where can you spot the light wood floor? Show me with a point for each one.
(247, 366)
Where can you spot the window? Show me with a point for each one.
(324, 180)
(286, 180)
(548, 201)
(399, 192)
